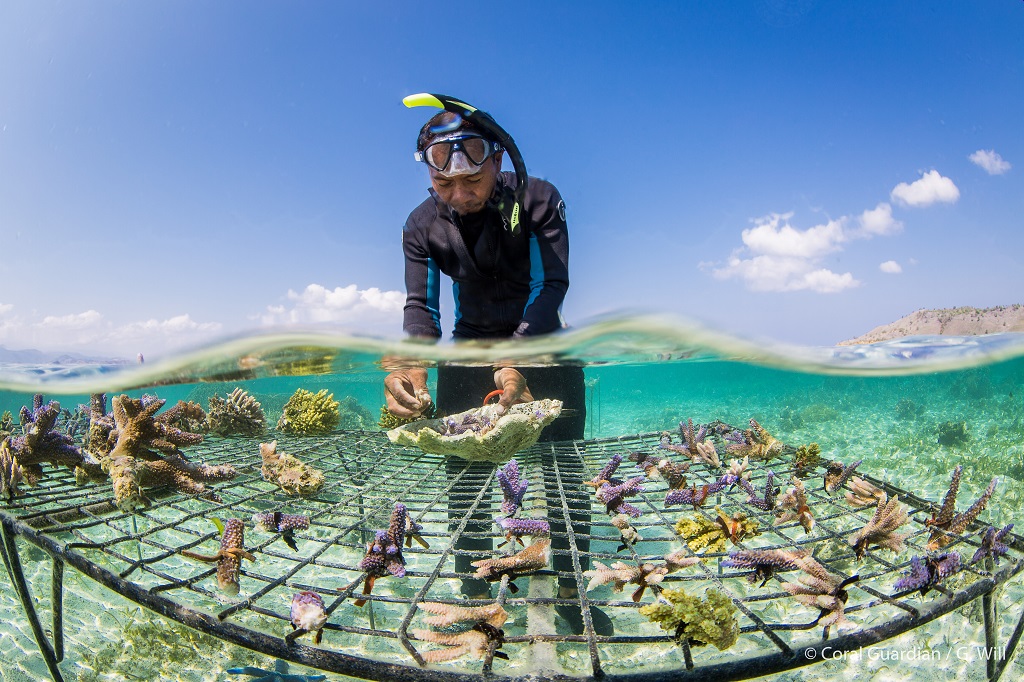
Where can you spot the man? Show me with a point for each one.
(507, 253)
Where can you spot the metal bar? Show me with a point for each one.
(57, 606)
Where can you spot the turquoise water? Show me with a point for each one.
(912, 410)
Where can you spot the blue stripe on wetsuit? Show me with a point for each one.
(433, 294)
(536, 271)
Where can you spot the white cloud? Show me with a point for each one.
(365, 310)
(90, 332)
(929, 189)
(891, 267)
(878, 221)
(779, 257)
(990, 161)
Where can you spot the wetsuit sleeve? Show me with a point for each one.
(549, 266)
(422, 277)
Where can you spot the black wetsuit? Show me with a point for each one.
(505, 286)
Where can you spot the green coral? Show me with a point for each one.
(806, 459)
(711, 620)
(699, 532)
(953, 434)
(6, 424)
(309, 413)
(389, 421)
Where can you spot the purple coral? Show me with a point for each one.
(606, 473)
(41, 441)
(613, 496)
(766, 503)
(515, 529)
(285, 524)
(513, 488)
(695, 495)
(384, 552)
(992, 545)
(927, 572)
(764, 562)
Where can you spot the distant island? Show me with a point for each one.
(948, 321)
(31, 356)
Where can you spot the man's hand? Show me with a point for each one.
(514, 386)
(407, 393)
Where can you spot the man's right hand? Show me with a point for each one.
(406, 391)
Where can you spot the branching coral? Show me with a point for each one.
(513, 487)
(620, 574)
(285, 524)
(604, 476)
(679, 559)
(10, 472)
(526, 561)
(462, 630)
(288, 473)
(613, 496)
(474, 642)
(836, 475)
(308, 413)
(695, 495)
(765, 563)
(42, 442)
(229, 557)
(516, 529)
(927, 572)
(711, 620)
(992, 545)
(792, 506)
(659, 467)
(240, 413)
(881, 529)
(695, 446)
(699, 532)
(629, 534)
(947, 523)
(129, 476)
(384, 552)
(863, 494)
(765, 503)
(819, 588)
(806, 459)
(185, 415)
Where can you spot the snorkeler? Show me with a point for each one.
(503, 240)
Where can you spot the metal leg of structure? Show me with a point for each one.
(13, 564)
(1011, 646)
(57, 606)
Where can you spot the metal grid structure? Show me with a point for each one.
(137, 555)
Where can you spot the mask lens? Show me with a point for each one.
(476, 148)
(438, 154)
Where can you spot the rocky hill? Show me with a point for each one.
(948, 321)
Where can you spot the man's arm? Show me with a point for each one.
(549, 263)
(422, 286)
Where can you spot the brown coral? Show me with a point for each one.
(473, 642)
(863, 494)
(524, 562)
(229, 557)
(819, 588)
(448, 615)
(880, 530)
(946, 523)
(240, 413)
(10, 472)
(620, 574)
(288, 473)
(792, 506)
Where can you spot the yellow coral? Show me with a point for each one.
(310, 413)
(699, 532)
(711, 620)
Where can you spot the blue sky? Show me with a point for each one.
(175, 172)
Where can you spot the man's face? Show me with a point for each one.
(468, 193)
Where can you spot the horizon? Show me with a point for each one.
(177, 174)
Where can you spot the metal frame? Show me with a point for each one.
(137, 557)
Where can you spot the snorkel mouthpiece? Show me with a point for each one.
(487, 123)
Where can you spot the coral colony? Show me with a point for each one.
(818, 588)
(792, 506)
(946, 522)
(10, 472)
(836, 475)
(288, 473)
(285, 524)
(462, 630)
(860, 493)
(613, 496)
(516, 529)
(525, 562)
(229, 557)
(620, 574)
(308, 614)
(513, 487)
(992, 545)
(711, 620)
(880, 530)
(927, 572)
(384, 552)
(765, 563)
(240, 414)
(765, 503)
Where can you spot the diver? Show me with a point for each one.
(503, 240)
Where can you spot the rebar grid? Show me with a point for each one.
(138, 555)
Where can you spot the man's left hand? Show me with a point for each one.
(514, 386)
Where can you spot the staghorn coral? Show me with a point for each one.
(863, 494)
(10, 472)
(763, 445)
(384, 552)
(699, 532)
(524, 562)
(766, 503)
(992, 545)
(604, 476)
(792, 506)
(695, 495)
(613, 496)
(881, 529)
(659, 467)
(450, 618)
(141, 433)
(240, 413)
(129, 476)
(41, 442)
(308, 413)
(678, 560)
(513, 487)
(947, 523)
(474, 642)
(711, 620)
(694, 444)
(285, 524)
(819, 588)
(765, 563)
(738, 469)
(515, 529)
(620, 574)
(229, 557)
(308, 614)
(288, 473)
(836, 475)
(927, 572)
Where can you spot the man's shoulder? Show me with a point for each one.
(423, 215)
